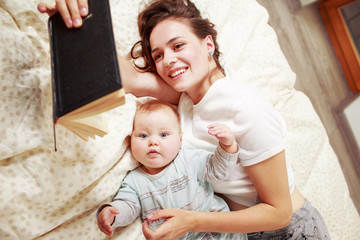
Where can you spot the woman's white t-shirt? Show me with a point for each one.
(258, 127)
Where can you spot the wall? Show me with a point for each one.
(352, 113)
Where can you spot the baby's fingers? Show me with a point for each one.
(217, 129)
(113, 210)
(108, 231)
(104, 226)
(222, 133)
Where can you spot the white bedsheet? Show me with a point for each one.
(55, 195)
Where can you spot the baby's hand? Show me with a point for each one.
(70, 10)
(225, 136)
(106, 218)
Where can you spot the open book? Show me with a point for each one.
(86, 79)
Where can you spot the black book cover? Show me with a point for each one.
(84, 60)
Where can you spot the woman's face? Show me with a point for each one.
(181, 58)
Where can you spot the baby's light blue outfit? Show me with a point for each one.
(184, 184)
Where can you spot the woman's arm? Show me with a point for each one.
(275, 211)
(135, 82)
(145, 84)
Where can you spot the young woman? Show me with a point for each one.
(179, 46)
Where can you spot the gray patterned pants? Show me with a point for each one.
(306, 223)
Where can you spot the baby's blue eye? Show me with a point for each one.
(143, 135)
(164, 134)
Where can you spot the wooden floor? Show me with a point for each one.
(304, 41)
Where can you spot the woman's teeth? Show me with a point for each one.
(178, 72)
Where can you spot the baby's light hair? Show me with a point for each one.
(155, 105)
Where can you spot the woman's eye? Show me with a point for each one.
(164, 134)
(178, 46)
(157, 57)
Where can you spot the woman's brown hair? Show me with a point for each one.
(159, 10)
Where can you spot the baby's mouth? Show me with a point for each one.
(153, 152)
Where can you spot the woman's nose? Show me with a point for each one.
(169, 58)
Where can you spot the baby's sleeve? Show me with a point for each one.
(126, 201)
(219, 165)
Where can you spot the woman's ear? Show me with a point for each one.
(209, 44)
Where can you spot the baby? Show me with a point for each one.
(169, 176)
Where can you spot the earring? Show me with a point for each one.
(210, 54)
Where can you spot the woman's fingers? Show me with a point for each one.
(177, 223)
(147, 230)
(164, 213)
(71, 11)
(83, 8)
(45, 8)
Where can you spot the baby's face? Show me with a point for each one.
(156, 139)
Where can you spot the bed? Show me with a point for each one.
(54, 195)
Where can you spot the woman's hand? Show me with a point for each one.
(70, 10)
(178, 222)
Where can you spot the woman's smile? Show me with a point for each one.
(177, 72)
